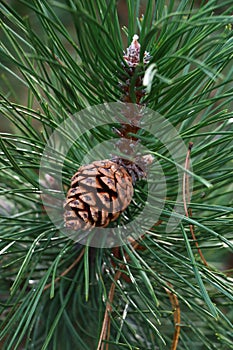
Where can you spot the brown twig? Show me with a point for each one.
(67, 270)
(105, 331)
(188, 212)
(177, 317)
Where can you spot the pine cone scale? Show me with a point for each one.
(109, 182)
(89, 181)
(107, 172)
(105, 200)
(88, 198)
(75, 204)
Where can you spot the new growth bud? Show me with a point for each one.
(132, 56)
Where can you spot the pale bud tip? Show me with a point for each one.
(135, 37)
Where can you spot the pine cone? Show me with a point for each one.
(99, 192)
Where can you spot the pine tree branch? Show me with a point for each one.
(57, 59)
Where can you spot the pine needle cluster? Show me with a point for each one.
(169, 290)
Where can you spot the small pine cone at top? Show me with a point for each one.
(132, 58)
(99, 193)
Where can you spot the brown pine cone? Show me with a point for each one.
(99, 192)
